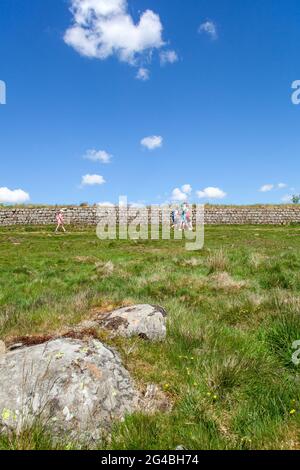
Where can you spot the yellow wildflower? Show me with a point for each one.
(6, 414)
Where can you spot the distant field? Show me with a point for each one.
(234, 312)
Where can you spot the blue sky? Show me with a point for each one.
(210, 79)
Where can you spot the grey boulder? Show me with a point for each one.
(73, 387)
(146, 321)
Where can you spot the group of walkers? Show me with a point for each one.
(182, 218)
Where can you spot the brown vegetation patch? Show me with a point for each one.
(25, 341)
(154, 400)
(192, 262)
(17, 342)
(86, 259)
(217, 261)
(105, 269)
(81, 334)
(224, 281)
(257, 259)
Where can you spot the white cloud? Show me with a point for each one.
(98, 156)
(211, 193)
(105, 204)
(143, 74)
(178, 195)
(103, 28)
(90, 180)
(168, 57)
(269, 187)
(210, 28)
(266, 187)
(15, 196)
(152, 142)
(186, 188)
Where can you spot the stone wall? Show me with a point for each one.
(256, 215)
(269, 215)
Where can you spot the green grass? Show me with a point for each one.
(234, 312)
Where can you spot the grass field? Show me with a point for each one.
(234, 312)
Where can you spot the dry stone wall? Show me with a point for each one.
(214, 215)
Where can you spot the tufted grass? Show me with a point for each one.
(234, 312)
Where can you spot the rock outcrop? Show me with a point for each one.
(73, 383)
(70, 386)
(146, 321)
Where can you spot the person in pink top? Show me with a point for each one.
(189, 221)
(60, 221)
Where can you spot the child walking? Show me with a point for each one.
(60, 221)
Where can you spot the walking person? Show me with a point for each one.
(175, 214)
(189, 218)
(60, 221)
(183, 217)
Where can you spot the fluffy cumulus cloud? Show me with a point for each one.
(266, 188)
(211, 193)
(152, 142)
(13, 196)
(91, 180)
(282, 185)
(168, 57)
(186, 189)
(178, 195)
(102, 28)
(210, 28)
(98, 156)
(143, 74)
